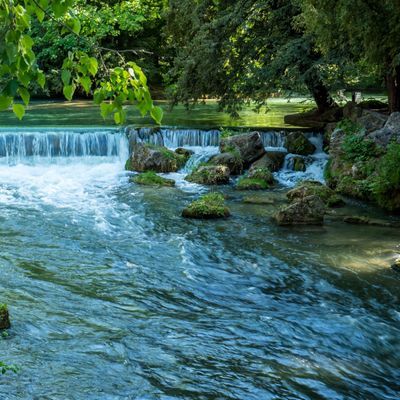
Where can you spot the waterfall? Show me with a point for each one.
(19, 146)
(273, 140)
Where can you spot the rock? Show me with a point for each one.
(210, 175)
(231, 160)
(297, 163)
(393, 123)
(314, 118)
(148, 157)
(396, 265)
(209, 206)
(313, 188)
(373, 105)
(355, 220)
(390, 131)
(258, 199)
(297, 143)
(248, 146)
(372, 120)
(306, 211)
(4, 317)
(271, 160)
(184, 152)
(150, 178)
(256, 179)
(352, 111)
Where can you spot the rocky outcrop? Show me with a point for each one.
(313, 188)
(232, 160)
(256, 179)
(296, 163)
(148, 157)
(306, 211)
(297, 143)
(209, 206)
(150, 178)
(271, 160)
(210, 175)
(248, 146)
(4, 317)
(389, 132)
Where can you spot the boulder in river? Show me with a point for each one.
(248, 146)
(306, 211)
(184, 152)
(149, 157)
(209, 206)
(232, 160)
(210, 175)
(297, 143)
(271, 160)
(150, 178)
(4, 317)
(315, 188)
(256, 179)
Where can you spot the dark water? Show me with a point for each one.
(114, 296)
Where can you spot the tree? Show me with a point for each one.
(19, 67)
(365, 31)
(243, 50)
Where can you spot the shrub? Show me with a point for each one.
(385, 184)
(357, 148)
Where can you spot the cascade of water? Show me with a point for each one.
(18, 146)
(273, 140)
(174, 138)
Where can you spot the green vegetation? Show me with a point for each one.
(251, 184)
(357, 148)
(386, 183)
(208, 206)
(150, 178)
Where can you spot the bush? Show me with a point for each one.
(349, 127)
(386, 183)
(357, 148)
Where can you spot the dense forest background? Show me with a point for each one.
(234, 51)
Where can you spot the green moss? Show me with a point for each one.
(209, 175)
(261, 173)
(211, 205)
(3, 310)
(251, 184)
(385, 185)
(359, 189)
(128, 164)
(358, 149)
(179, 159)
(150, 178)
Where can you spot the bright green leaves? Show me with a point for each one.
(126, 86)
(19, 110)
(5, 102)
(25, 96)
(69, 91)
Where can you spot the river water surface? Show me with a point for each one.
(114, 296)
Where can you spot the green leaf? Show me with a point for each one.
(86, 83)
(19, 110)
(66, 77)
(93, 66)
(157, 114)
(105, 110)
(25, 96)
(41, 79)
(69, 91)
(5, 102)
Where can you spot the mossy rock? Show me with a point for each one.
(210, 175)
(358, 189)
(150, 178)
(230, 159)
(209, 206)
(314, 188)
(184, 152)
(4, 317)
(251, 184)
(261, 173)
(149, 157)
(297, 143)
(258, 199)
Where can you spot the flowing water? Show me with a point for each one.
(114, 296)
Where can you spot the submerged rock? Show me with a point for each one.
(149, 157)
(4, 317)
(209, 206)
(306, 211)
(271, 160)
(259, 199)
(210, 175)
(248, 146)
(150, 178)
(315, 188)
(297, 143)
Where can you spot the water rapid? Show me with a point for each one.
(114, 296)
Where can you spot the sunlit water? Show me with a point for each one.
(114, 296)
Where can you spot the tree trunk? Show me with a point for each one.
(320, 93)
(393, 87)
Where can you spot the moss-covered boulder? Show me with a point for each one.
(150, 178)
(149, 157)
(230, 159)
(297, 143)
(249, 147)
(314, 188)
(4, 317)
(306, 211)
(256, 179)
(210, 175)
(271, 160)
(209, 206)
(184, 152)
